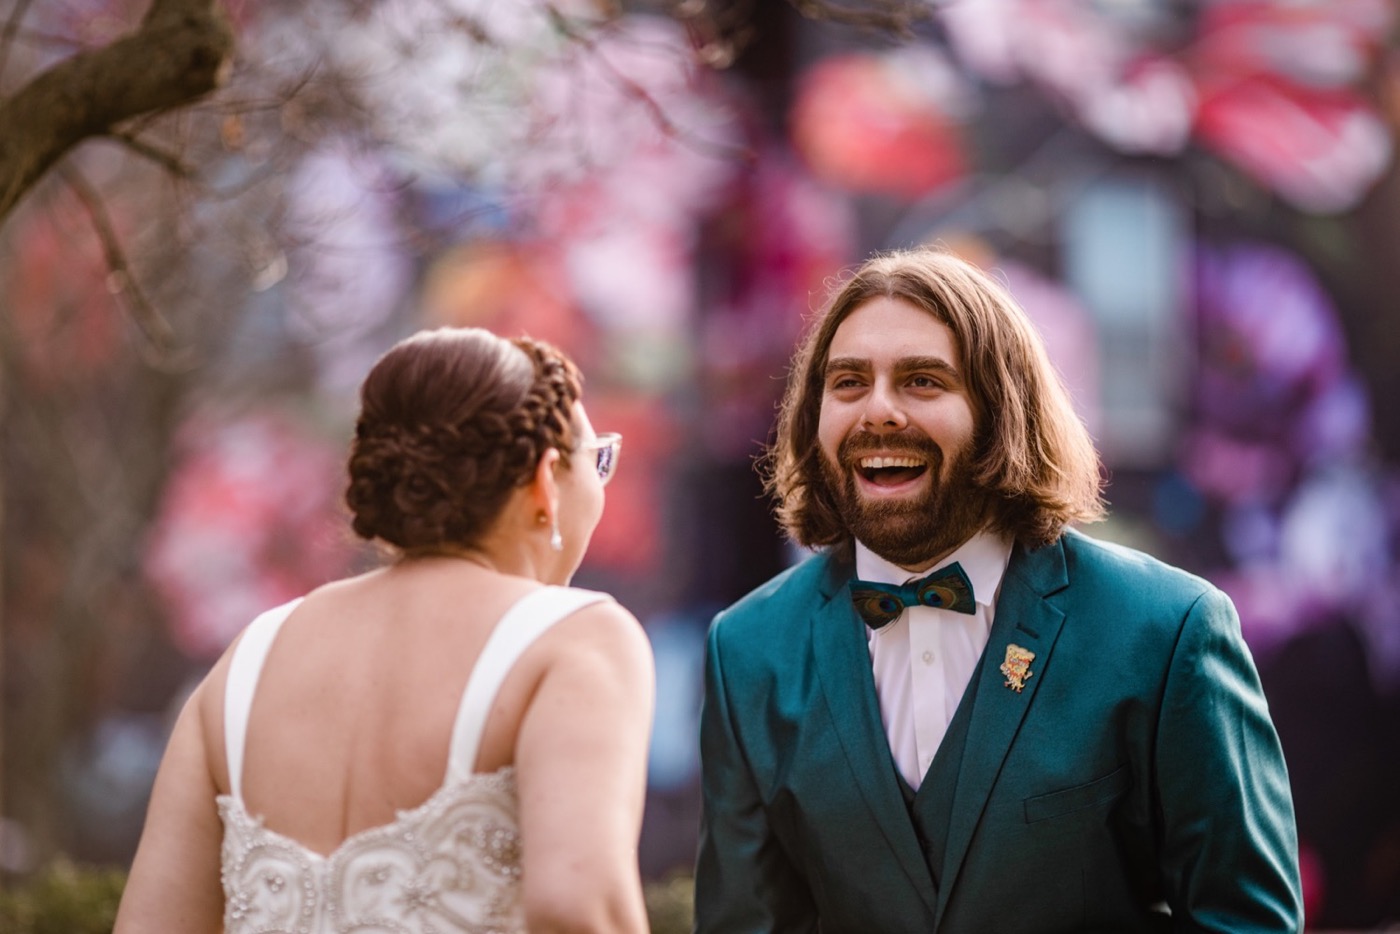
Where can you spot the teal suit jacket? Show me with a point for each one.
(1136, 773)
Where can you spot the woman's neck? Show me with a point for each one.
(519, 561)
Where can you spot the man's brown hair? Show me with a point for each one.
(1032, 453)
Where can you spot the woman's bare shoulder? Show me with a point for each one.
(605, 627)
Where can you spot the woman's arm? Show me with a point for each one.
(581, 774)
(174, 881)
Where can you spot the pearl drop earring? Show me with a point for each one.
(556, 541)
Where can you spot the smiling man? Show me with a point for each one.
(960, 714)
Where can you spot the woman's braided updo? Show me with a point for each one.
(451, 422)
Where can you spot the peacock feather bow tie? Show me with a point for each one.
(946, 589)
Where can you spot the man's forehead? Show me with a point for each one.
(882, 314)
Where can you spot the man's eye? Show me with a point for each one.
(924, 382)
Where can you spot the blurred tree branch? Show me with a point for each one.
(181, 51)
(169, 161)
(7, 35)
(120, 278)
(722, 28)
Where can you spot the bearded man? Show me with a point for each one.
(960, 714)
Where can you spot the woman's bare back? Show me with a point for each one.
(354, 710)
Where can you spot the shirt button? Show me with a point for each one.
(928, 657)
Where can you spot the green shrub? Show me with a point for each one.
(670, 904)
(63, 899)
(70, 899)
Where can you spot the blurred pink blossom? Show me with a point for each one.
(1071, 339)
(1275, 87)
(1319, 149)
(874, 122)
(639, 144)
(249, 520)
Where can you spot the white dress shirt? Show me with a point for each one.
(924, 660)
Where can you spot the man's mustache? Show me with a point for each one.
(858, 445)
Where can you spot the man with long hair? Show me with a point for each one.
(961, 714)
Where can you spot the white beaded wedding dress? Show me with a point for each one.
(450, 865)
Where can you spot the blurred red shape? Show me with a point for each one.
(870, 124)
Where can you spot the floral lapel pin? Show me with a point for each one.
(1017, 666)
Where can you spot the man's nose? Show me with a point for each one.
(883, 411)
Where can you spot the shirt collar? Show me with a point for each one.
(983, 557)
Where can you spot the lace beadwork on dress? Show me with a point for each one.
(452, 864)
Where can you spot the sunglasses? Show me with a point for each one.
(607, 446)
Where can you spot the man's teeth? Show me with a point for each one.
(876, 463)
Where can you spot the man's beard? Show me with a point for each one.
(909, 532)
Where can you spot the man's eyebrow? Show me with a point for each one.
(931, 364)
(902, 365)
(847, 364)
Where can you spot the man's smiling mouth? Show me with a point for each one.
(890, 469)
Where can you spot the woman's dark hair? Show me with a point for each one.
(451, 422)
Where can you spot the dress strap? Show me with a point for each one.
(529, 618)
(243, 672)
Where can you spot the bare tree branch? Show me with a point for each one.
(156, 329)
(636, 92)
(181, 51)
(721, 29)
(895, 16)
(7, 35)
(169, 161)
(55, 43)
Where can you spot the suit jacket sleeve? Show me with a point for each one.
(1229, 842)
(744, 880)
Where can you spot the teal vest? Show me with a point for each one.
(931, 807)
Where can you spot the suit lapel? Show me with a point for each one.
(848, 685)
(1025, 618)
